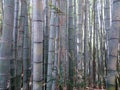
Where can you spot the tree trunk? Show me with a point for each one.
(19, 61)
(51, 46)
(86, 41)
(15, 31)
(6, 44)
(26, 54)
(37, 45)
(113, 46)
(94, 48)
(55, 66)
(71, 44)
(46, 27)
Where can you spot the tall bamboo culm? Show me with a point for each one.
(37, 32)
(6, 44)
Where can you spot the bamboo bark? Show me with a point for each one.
(113, 46)
(6, 44)
(51, 46)
(37, 44)
(15, 31)
(19, 61)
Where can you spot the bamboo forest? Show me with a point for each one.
(59, 44)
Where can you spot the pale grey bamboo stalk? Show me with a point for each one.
(46, 27)
(6, 44)
(15, 31)
(70, 44)
(37, 33)
(107, 24)
(113, 46)
(102, 44)
(80, 43)
(19, 61)
(75, 45)
(51, 46)
(64, 39)
(86, 41)
(26, 54)
(96, 40)
(55, 66)
(67, 41)
(94, 54)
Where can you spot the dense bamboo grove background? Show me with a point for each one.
(59, 44)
